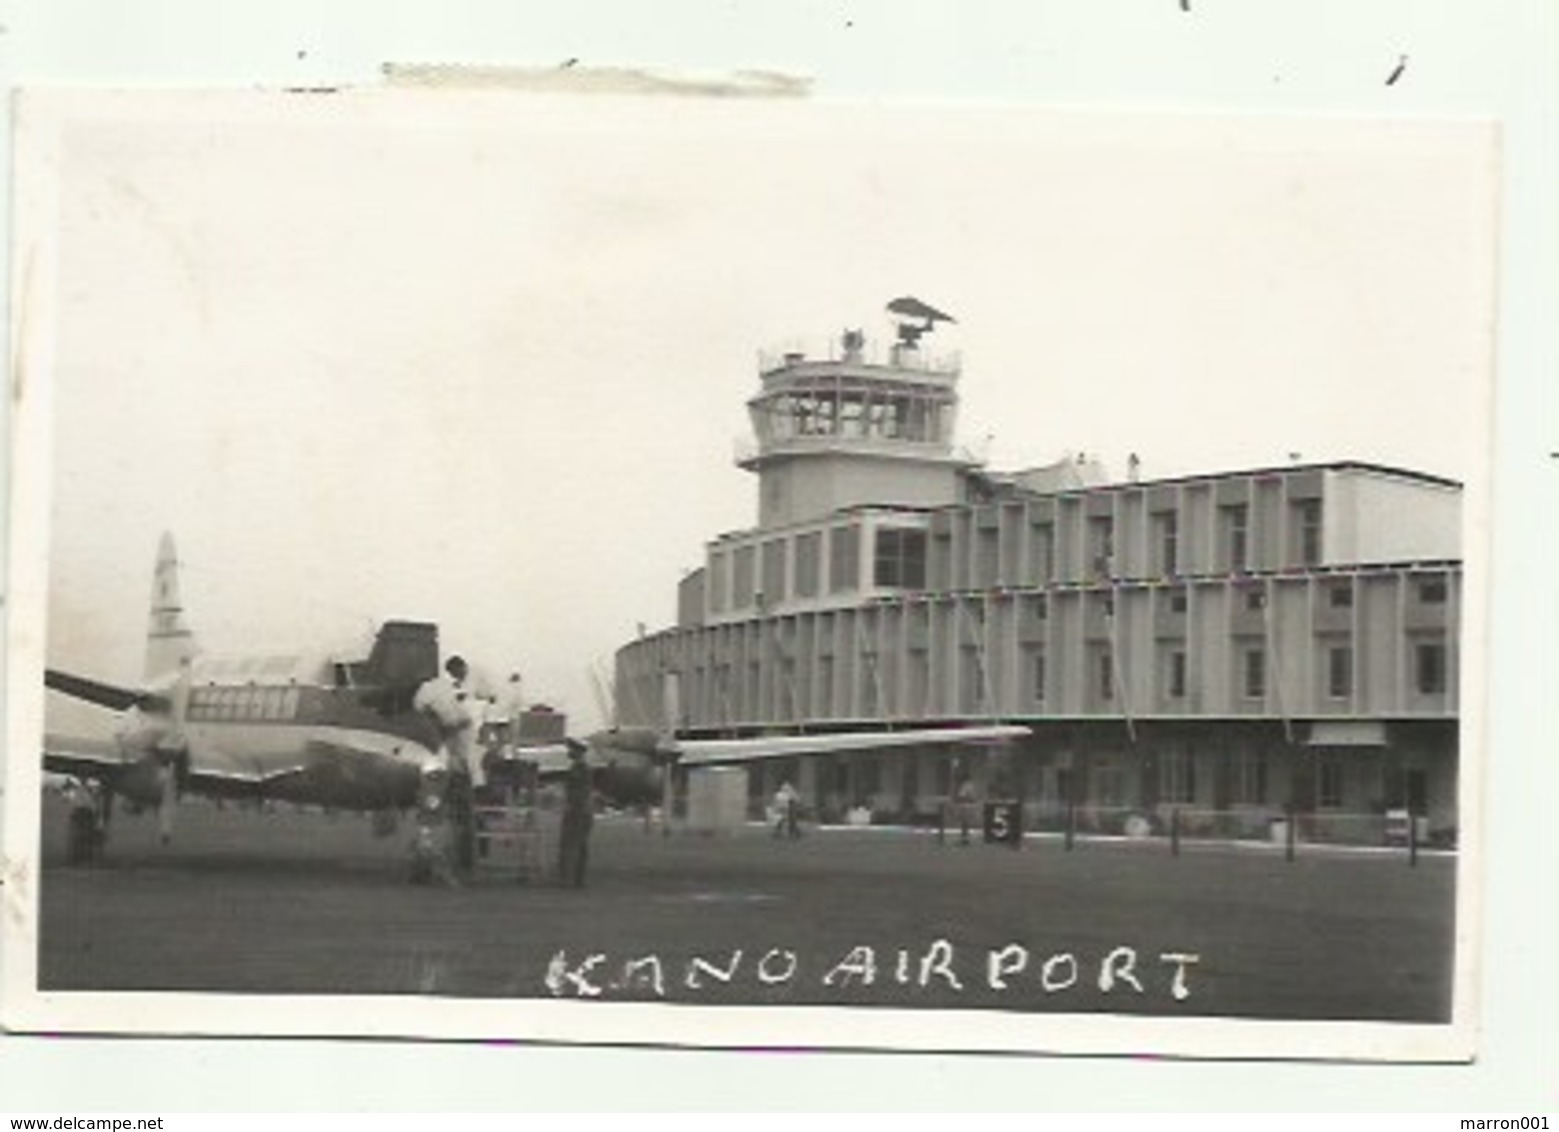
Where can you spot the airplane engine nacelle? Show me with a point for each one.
(141, 783)
(629, 787)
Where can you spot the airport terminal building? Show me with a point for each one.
(1224, 645)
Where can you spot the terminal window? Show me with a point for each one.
(1168, 542)
(824, 701)
(973, 689)
(1430, 668)
(1339, 672)
(1101, 544)
(1175, 675)
(1255, 674)
(1106, 674)
(1236, 528)
(1309, 531)
(1176, 777)
(809, 555)
(788, 689)
(1109, 785)
(717, 582)
(774, 569)
(1044, 551)
(1329, 783)
(900, 561)
(1248, 779)
(743, 586)
(844, 558)
(871, 688)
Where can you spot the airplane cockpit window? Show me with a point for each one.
(275, 703)
(199, 703)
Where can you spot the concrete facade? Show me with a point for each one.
(1226, 645)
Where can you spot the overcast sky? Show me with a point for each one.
(483, 359)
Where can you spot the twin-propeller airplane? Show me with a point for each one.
(315, 730)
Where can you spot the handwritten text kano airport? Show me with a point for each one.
(939, 964)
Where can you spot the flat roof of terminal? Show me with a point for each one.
(1007, 480)
(1235, 473)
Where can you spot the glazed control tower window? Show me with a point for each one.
(900, 561)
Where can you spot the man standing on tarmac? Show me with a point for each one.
(787, 807)
(968, 809)
(578, 816)
(449, 702)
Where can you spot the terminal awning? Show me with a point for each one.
(1347, 733)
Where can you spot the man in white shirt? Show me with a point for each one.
(787, 806)
(448, 700)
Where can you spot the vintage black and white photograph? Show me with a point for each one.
(748, 571)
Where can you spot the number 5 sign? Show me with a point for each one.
(1004, 823)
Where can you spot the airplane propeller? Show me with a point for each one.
(172, 751)
(169, 799)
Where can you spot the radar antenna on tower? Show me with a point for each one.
(914, 318)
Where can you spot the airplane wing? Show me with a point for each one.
(330, 767)
(231, 784)
(80, 757)
(712, 752)
(113, 696)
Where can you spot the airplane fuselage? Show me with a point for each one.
(291, 742)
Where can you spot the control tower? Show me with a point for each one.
(849, 429)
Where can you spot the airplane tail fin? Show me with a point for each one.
(169, 641)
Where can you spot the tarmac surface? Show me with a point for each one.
(307, 903)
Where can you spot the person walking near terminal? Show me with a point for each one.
(787, 806)
(578, 816)
(967, 801)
